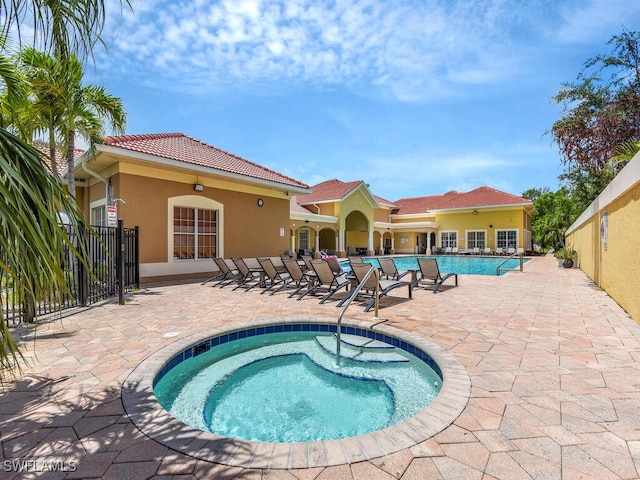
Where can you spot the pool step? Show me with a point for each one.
(382, 354)
(363, 342)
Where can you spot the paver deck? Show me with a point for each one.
(554, 366)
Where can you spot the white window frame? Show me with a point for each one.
(505, 244)
(95, 205)
(304, 235)
(197, 211)
(194, 201)
(448, 243)
(474, 243)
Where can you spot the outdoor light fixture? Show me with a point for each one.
(198, 187)
(475, 212)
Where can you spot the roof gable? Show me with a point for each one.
(328, 191)
(182, 148)
(481, 197)
(415, 205)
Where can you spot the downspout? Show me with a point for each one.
(107, 183)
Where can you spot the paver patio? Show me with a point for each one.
(554, 365)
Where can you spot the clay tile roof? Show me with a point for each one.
(481, 197)
(181, 148)
(329, 190)
(406, 206)
(61, 160)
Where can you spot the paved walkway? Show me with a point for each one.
(554, 365)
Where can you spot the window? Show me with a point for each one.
(476, 239)
(304, 239)
(448, 239)
(506, 238)
(194, 233)
(99, 216)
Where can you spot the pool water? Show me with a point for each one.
(289, 387)
(460, 264)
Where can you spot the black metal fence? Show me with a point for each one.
(111, 269)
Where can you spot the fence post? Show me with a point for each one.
(120, 261)
(83, 280)
(136, 245)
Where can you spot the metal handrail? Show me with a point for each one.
(373, 271)
(521, 255)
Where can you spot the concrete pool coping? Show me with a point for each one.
(146, 413)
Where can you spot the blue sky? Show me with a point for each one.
(413, 97)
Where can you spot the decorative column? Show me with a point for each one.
(317, 246)
(341, 251)
(370, 251)
(428, 251)
(393, 248)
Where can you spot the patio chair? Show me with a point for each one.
(229, 272)
(355, 259)
(325, 281)
(218, 275)
(298, 278)
(390, 270)
(368, 289)
(249, 277)
(499, 251)
(486, 251)
(334, 264)
(430, 276)
(307, 259)
(272, 274)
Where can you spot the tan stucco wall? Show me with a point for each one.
(249, 230)
(616, 268)
(489, 220)
(381, 215)
(586, 240)
(621, 260)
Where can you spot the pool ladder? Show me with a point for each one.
(515, 254)
(373, 271)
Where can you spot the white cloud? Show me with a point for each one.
(416, 50)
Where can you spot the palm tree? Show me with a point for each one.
(84, 111)
(62, 107)
(31, 240)
(625, 152)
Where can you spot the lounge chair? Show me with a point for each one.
(229, 272)
(368, 289)
(298, 278)
(307, 259)
(499, 251)
(334, 264)
(218, 274)
(390, 270)
(430, 277)
(355, 259)
(325, 281)
(249, 277)
(486, 251)
(511, 251)
(475, 251)
(272, 274)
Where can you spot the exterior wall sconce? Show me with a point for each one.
(490, 226)
(198, 187)
(306, 221)
(475, 212)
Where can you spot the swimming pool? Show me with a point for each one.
(460, 264)
(249, 387)
(154, 421)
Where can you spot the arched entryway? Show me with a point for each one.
(358, 239)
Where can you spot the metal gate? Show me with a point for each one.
(111, 269)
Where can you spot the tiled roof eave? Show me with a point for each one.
(479, 207)
(170, 162)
